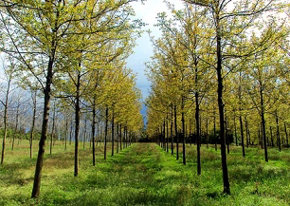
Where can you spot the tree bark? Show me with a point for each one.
(171, 132)
(93, 130)
(183, 132)
(106, 133)
(5, 119)
(272, 140)
(66, 131)
(235, 128)
(85, 134)
(33, 122)
(278, 130)
(167, 135)
(71, 131)
(39, 162)
(52, 130)
(263, 122)
(227, 138)
(286, 134)
(176, 132)
(77, 123)
(120, 137)
(16, 123)
(221, 107)
(198, 140)
(113, 131)
(214, 131)
(117, 132)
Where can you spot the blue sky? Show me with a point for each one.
(146, 11)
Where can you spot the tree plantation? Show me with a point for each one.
(73, 128)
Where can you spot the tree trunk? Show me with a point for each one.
(33, 122)
(124, 137)
(5, 119)
(85, 134)
(235, 128)
(71, 131)
(197, 125)
(242, 136)
(167, 135)
(77, 123)
(207, 134)
(221, 109)
(120, 137)
(278, 130)
(39, 162)
(176, 132)
(171, 132)
(52, 130)
(113, 131)
(227, 138)
(214, 131)
(183, 132)
(247, 132)
(263, 121)
(106, 133)
(163, 136)
(117, 132)
(286, 134)
(16, 124)
(93, 130)
(66, 131)
(272, 140)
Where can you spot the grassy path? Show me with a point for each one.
(144, 174)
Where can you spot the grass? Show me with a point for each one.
(144, 174)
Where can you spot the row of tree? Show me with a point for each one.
(220, 63)
(72, 55)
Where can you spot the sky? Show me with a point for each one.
(147, 11)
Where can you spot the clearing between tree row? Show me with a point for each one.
(144, 174)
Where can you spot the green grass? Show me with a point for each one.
(144, 174)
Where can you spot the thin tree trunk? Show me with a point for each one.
(33, 122)
(66, 131)
(227, 137)
(77, 123)
(240, 117)
(106, 133)
(221, 109)
(286, 134)
(278, 130)
(167, 135)
(113, 131)
(120, 137)
(39, 162)
(16, 124)
(247, 132)
(171, 132)
(93, 130)
(71, 131)
(176, 132)
(117, 132)
(235, 128)
(85, 134)
(183, 132)
(242, 136)
(263, 122)
(272, 140)
(124, 137)
(52, 130)
(214, 131)
(207, 134)
(5, 119)
(198, 139)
